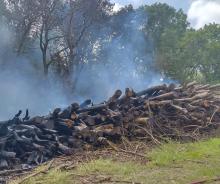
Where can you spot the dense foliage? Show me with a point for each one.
(72, 35)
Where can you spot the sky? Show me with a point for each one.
(199, 12)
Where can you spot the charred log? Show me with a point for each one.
(152, 114)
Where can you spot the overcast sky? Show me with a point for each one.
(200, 12)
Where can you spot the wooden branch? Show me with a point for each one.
(124, 151)
(37, 173)
(166, 96)
(151, 90)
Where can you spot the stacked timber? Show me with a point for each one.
(155, 114)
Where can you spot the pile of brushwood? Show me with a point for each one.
(155, 114)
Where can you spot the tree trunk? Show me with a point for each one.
(45, 65)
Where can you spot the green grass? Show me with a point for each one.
(175, 152)
(53, 177)
(108, 166)
(171, 163)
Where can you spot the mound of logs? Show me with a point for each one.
(155, 114)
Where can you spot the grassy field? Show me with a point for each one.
(172, 163)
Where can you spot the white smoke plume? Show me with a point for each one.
(21, 86)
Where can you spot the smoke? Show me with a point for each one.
(119, 56)
(22, 85)
(126, 58)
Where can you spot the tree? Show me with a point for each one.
(2, 8)
(193, 56)
(22, 17)
(34, 22)
(199, 56)
(121, 42)
(165, 27)
(57, 26)
(50, 19)
(162, 17)
(80, 16)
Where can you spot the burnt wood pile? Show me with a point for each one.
(155, 114)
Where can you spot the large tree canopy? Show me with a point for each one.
(77, 36)
(161, 18)
(199, 54)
